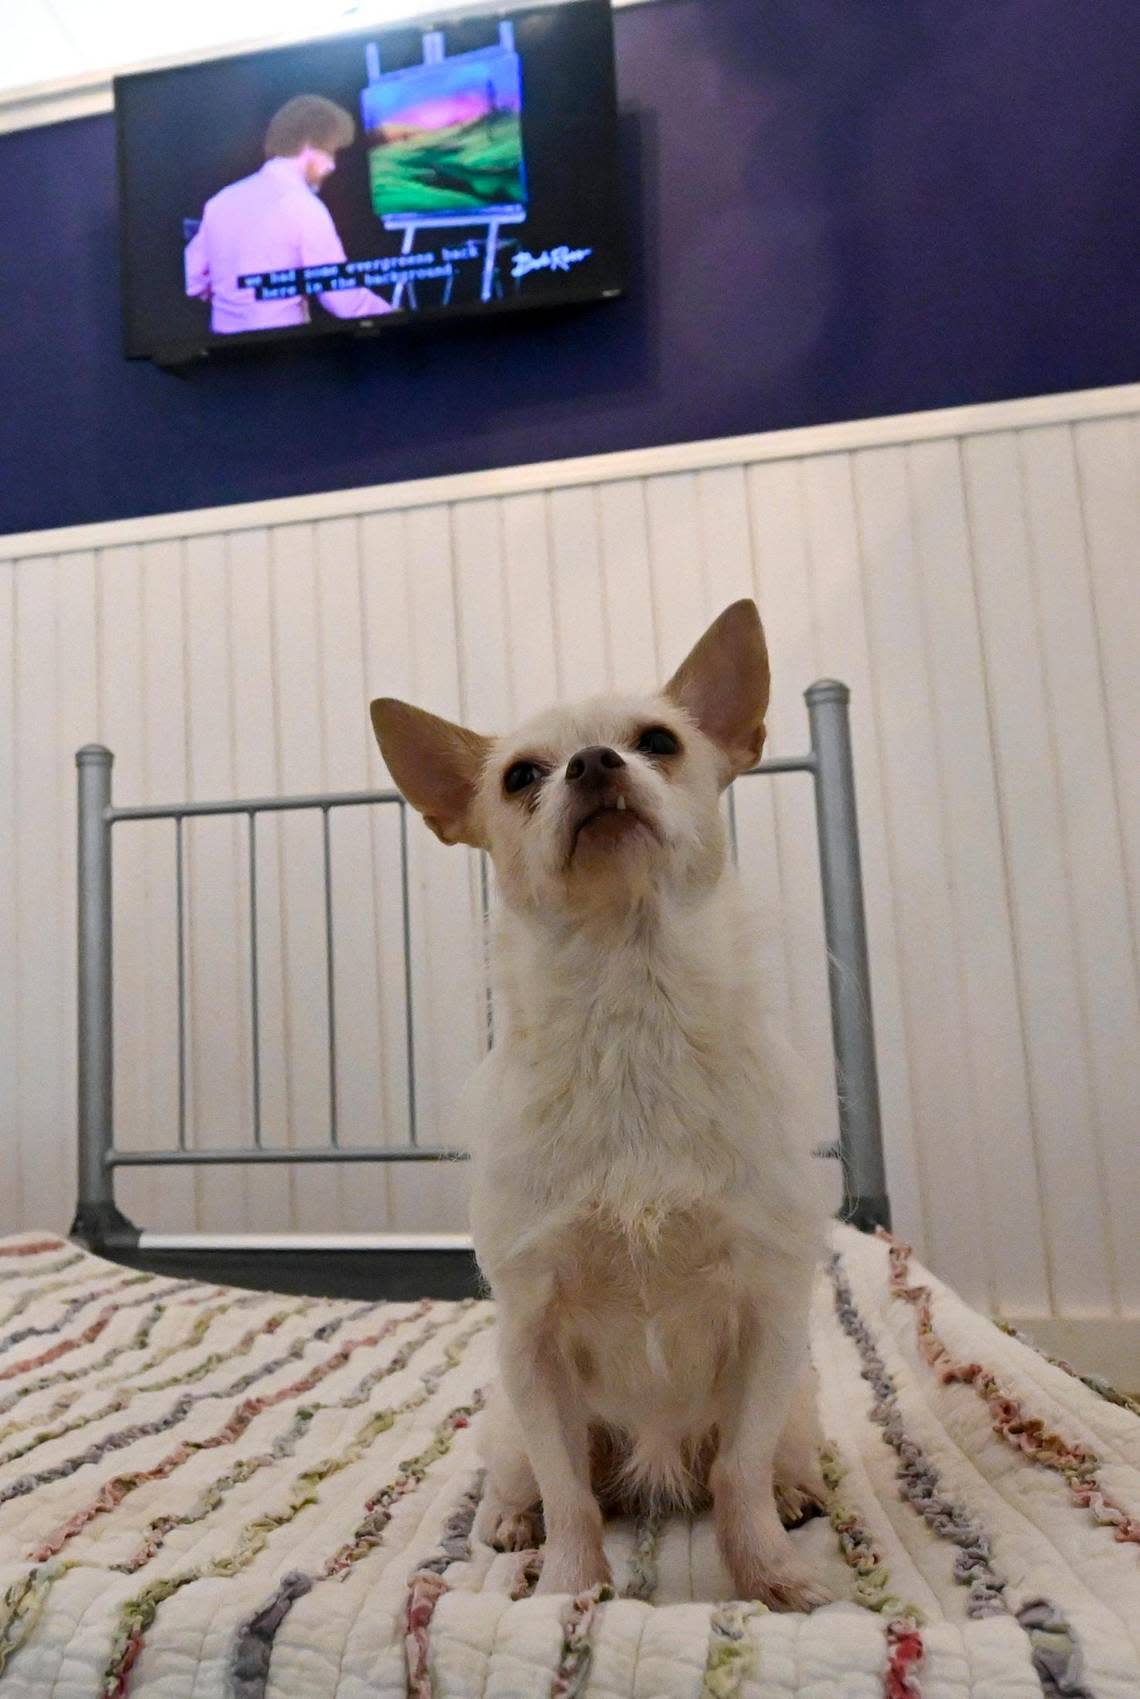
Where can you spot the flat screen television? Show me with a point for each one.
(444, 167)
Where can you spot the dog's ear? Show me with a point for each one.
(723, 685)
(436, 764)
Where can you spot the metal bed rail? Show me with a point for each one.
(102, 1226)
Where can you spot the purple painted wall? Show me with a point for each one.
(840, 208)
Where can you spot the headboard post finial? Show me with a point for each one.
(827, 690)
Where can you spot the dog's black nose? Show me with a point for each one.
(592, 765)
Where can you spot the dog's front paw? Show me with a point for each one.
(799, 1483)
(782, 1586)
(517, 1531)
(573, 1569)
(792, 1590)
(797, 1502)
(509, 1529)
(764, 1565)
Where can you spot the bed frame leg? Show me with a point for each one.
(103, 1229)
(868, 1214)
(865, 1202)
(98, 1224)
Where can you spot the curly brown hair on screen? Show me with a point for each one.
(308, 120)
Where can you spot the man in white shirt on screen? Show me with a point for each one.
(275, 220)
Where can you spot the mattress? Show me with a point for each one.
(209, 1492)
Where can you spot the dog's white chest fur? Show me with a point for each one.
(633, 1154)
(648, 1325)
(631, 1089)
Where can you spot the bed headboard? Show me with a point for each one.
(418, 1263)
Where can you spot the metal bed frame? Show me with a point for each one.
(403, 1265)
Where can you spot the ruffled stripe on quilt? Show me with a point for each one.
(951, 1520)
(1077, 1465)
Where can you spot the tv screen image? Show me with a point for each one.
(433, 169)
(446, 136)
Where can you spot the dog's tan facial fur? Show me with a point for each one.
(654, 825)
(559, 847)
(642, 1201)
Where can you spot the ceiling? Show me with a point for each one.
(49, 41)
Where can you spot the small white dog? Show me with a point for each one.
(644, 1205)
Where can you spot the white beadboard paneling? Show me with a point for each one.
(1108, 465)
(956, 1222)
(78, 709)
(218, 1112)
(1106, 960)
(972, 575)
(581, 633)
(318, 1191)
(257, 772)
(13, 1210)
(677, 559)
(529, 605)
(357, 968)
(837, 584)
(630, 602)
(782, 576)
(167, 729)
(485, 693)
(482, 631)
(446, 931)
(1040, 883)
(384, 613)
(42, 1103)
(724, 519)
(135, 850)
(994, 1046)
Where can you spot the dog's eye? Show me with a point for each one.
(520, 776)
(656, 740)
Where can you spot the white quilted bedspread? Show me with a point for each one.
(208, 1492)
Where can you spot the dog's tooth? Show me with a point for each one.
(621, 804)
